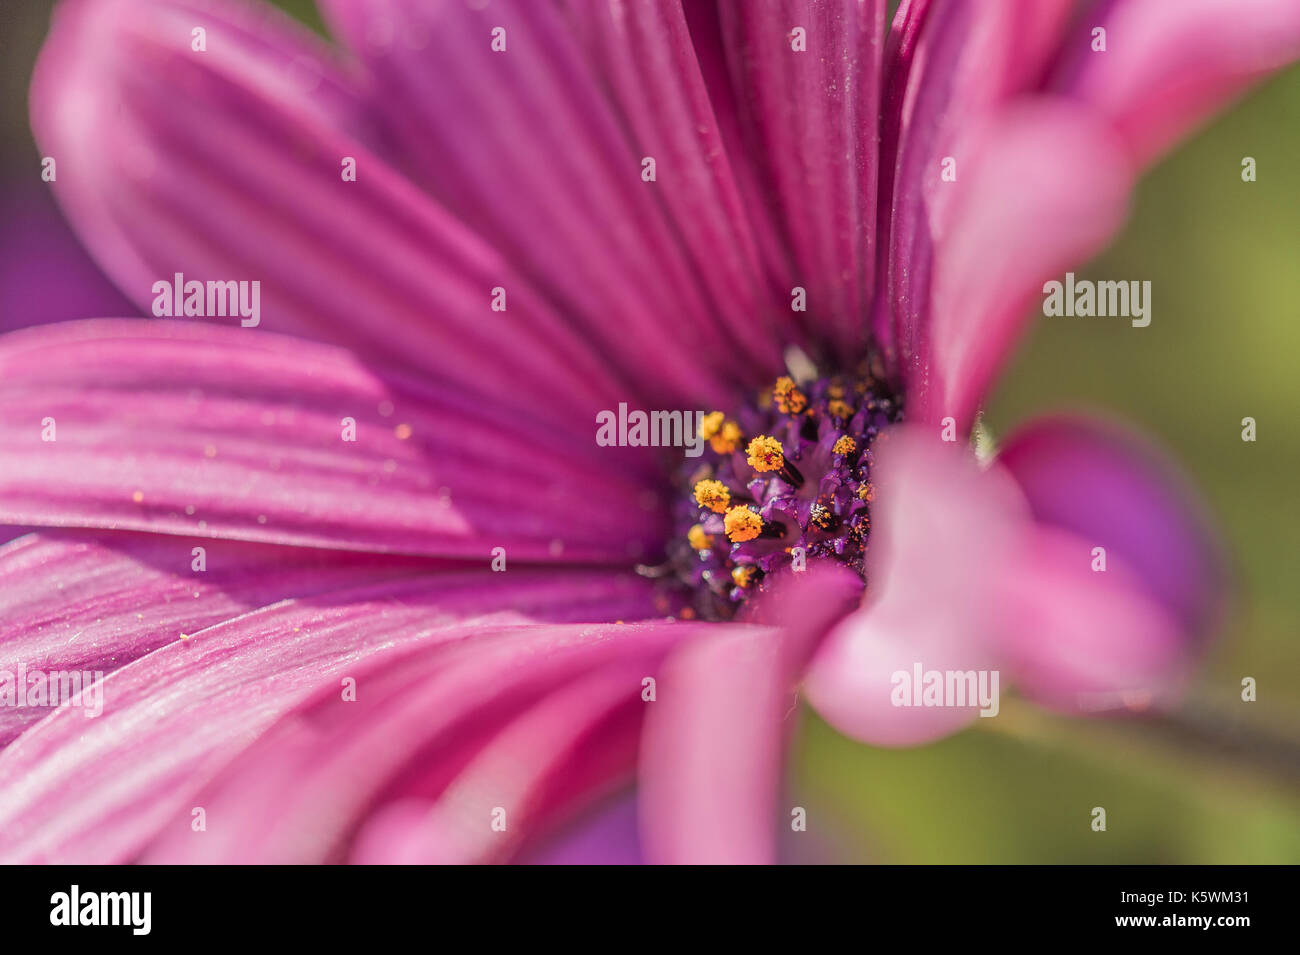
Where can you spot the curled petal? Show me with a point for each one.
(1167, 66)
(943, 533)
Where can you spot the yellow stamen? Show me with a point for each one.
(822, 516)
(699, 539)
(743, 576)
(712, 494)
(845, 445)
(728, 439)
(742, 524)
(787, 397)
(840, 409)
(866, 492)
(710, 424)
(766, 454)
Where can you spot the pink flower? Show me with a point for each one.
(308, 654)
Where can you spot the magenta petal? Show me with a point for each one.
(93, 602)
(45, 275)
(644, 53)
(1042, 187)
(227, 165)
(810, 122)
(715, 738)
(97, 790)
(513, 718)
(524, 146)
(512, 774)
(208, 431)
(712, 754)
(1167, 66)
(949, 65)
(607, 835)
(1081, 640)
(1109, 487)
(944, 532)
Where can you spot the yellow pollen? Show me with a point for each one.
(743, 576)
(713, 495)
(699, 539)
(839, 409)
(766, 454)
(728, 439)
(845, 445)
(835, 391)
(787, 397)
(742, 524)
(866, 492)
(710, 424)
(822, 516)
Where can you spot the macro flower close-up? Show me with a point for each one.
(496, 430)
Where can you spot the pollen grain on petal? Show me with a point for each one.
(845, 445)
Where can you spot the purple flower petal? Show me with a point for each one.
(209, 431)
(1081, 640)
(713, 750)
(1108, 486)
(521, 719)
(524, 146)
(810, 122)
(536, 760)
(95, 601)
(45, 275)
(950, 64)
(715, 738)
(98, 790)
(1042, 187)
(644, 52)
(944, 533)
(607, 835)
(226, 165)
(1167, 66)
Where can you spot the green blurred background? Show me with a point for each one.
(1218, 781)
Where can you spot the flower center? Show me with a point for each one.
(785, 480)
